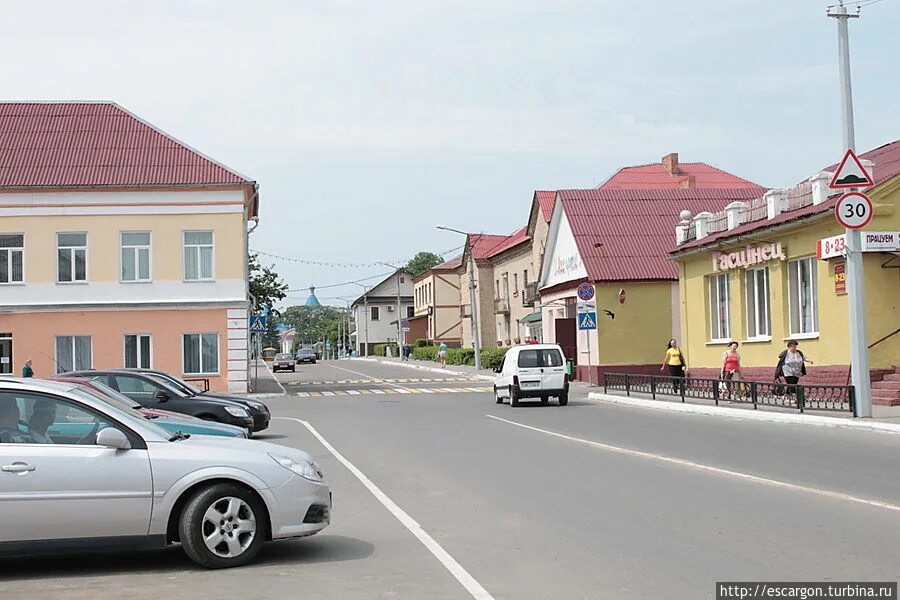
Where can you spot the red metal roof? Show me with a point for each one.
(95, 144)
(450, 265)
(626, 235)
(546, 201)
(519, 236)
(887, 166)
(655, 176)
(482, 245)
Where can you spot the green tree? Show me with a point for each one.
(266, 287)
(270, 336)
(313, 323)
(421, 262)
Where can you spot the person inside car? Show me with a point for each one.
(9, 423)
(42, 416)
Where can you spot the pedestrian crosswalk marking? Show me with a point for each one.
(406, 390)
(358, 381)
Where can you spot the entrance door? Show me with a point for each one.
(6, 357)
(566, 337)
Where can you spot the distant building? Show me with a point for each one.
(311, 300)
(375, 312)
(437, 298)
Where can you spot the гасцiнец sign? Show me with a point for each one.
(748, 257)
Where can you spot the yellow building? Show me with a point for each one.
(752, 273)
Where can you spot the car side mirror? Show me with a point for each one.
(162, 396)
(497, 369)
(110, 437)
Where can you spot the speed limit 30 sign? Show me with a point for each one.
(853, 210)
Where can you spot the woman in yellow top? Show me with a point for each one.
(676, 363)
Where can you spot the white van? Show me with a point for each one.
(532, 371)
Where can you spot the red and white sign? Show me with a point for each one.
(622, 296)
(872, 241)
(854, 210)
(840, 278)
(851, 174)
(831, 247)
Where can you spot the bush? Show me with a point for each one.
(460, 356)
(381, 349)
(425, 353)
(421, 343)
(491, 358)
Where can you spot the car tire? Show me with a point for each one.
(513, 397)
(231, 505)
(545, 399)
(497, 398)
(564, 399)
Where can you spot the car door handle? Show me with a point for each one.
(17, 467)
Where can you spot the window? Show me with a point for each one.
(71, 257)
(137, 351)
(402, 280)
(135, 256)
(201, 353)
(719, 326)
(410, 312)
(533, 359)
(803, 289)
(198, 255)
(497, 289)
(135, 387)
(48, 420)
(73, 353)
(12, 251)
(373, 313)
(525, 278)
(515, 283)
(758, 315)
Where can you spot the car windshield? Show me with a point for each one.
(178, 384)
(305, 351)
(168, 385)
(282, 357)
(112, 396)
(125, 413)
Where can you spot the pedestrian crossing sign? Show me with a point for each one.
(587, 320)
(257, 324)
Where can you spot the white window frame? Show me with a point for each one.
(712, 298)
(218, 354)
(9, 253)
(792, 264)
(138, 340)
(754, 323)
(137, 248)
(185, 246)
(72, 249)
(72, 338)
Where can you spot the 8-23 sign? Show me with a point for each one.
(853, 210)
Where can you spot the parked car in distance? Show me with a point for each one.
(283, 361)
(532, 371)
(152, 392)
(258, 410)
(129, 483)
(306, 355)
(168, 420)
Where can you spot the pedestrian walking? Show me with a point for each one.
(731, 368)
(677, 365)
(791, 366)
(442, 354)
(27, 371)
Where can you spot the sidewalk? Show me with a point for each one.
(434, 367)
(263, 383)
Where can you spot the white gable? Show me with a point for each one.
(562, 262)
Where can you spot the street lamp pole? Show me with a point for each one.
(399, 322)
(859, 357)
(366, 314)
(347, 325)
(476, 342)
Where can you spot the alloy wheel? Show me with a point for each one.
(229, 527)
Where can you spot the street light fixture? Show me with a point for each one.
(476, 343)
(366, 315)
(399, 322)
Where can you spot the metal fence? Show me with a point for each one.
(801, 397)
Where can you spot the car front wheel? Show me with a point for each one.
(564, 399)
(223, 526)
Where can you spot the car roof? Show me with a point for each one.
(40, 384)
(536, 347)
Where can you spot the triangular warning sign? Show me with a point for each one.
(850, 174)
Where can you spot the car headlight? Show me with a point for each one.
(236, 411)
(306, 469)
(256, 405)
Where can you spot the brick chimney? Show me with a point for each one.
(687, 182)
(670, 163)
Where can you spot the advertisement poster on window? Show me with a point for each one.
(840, 280)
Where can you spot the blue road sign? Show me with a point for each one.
(587, 321)
(586, 292)
(257, 323)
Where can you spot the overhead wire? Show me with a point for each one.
(320, 263)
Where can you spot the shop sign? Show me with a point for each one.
(840, 278)
(872, 241)
(567, 265)
(748, 256)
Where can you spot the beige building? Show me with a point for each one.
(437, 300)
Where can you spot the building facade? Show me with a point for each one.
(438, 298)
(755, 273)
(119, 247)
(375, 312)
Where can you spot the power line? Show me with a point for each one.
(334, 285)
(320, 263)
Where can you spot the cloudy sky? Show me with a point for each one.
(368, 122)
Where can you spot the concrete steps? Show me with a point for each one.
(887, 391)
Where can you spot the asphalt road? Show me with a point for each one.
(441, 493)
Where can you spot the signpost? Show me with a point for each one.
(257, 327)
(587, 320)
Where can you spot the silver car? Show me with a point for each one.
(77, 473)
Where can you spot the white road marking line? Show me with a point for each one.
(369, 378)
(710, 469)
(303, 394)
(403, 391)
(328, 393)
(457, 570)
(353, 392)
(377, 391)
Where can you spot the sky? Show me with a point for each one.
(368, 123)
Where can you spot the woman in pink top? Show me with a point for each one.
(731, 366)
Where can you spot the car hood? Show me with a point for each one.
(242, 445)
(229, 397)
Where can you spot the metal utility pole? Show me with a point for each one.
(399, 319)
(859, 354)
(366, 310)
(476, 342)
(347, 326)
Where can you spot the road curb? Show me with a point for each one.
(281, 394)
(746, 414)
(431, 369)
